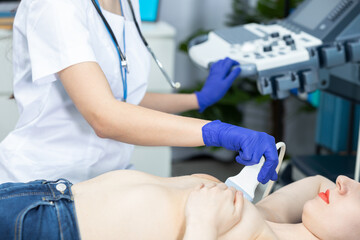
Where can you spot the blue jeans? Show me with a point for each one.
(38, 210)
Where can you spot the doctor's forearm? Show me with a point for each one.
(141, 126)
(121, 121)
(170, 103)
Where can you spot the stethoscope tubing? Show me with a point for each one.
(157, 61)
(122, 56)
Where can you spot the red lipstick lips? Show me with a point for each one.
(325, 196)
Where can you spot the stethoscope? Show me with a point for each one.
(122, 57)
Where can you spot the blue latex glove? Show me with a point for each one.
(218, 82)
(251, 145)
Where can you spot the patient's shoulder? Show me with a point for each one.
(206, 176)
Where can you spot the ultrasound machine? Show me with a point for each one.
(316, 47)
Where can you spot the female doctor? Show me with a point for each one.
(81, 111)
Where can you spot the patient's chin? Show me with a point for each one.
(314, 221)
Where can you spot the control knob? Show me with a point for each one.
(267, 48)
(274, 34)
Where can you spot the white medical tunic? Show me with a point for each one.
(52, 139)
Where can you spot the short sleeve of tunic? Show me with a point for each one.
(58, 37)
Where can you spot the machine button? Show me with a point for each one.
(286, 37)
(290, 41)
(267, 48)
(274, 34)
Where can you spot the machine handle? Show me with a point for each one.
(198, 40)
(247, 69)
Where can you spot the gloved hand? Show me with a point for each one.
(218, 82)
(251, 145)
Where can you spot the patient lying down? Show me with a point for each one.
(133, 205)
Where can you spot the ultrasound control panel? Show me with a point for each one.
(268, 46)
(289, 53)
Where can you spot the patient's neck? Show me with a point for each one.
(291, 231)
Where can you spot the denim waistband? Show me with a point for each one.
(38, 210)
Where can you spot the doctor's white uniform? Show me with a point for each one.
(52, 139)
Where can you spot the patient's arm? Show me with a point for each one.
(286, 204)
(212, 210)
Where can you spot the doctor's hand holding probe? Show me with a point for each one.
(73, 75)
